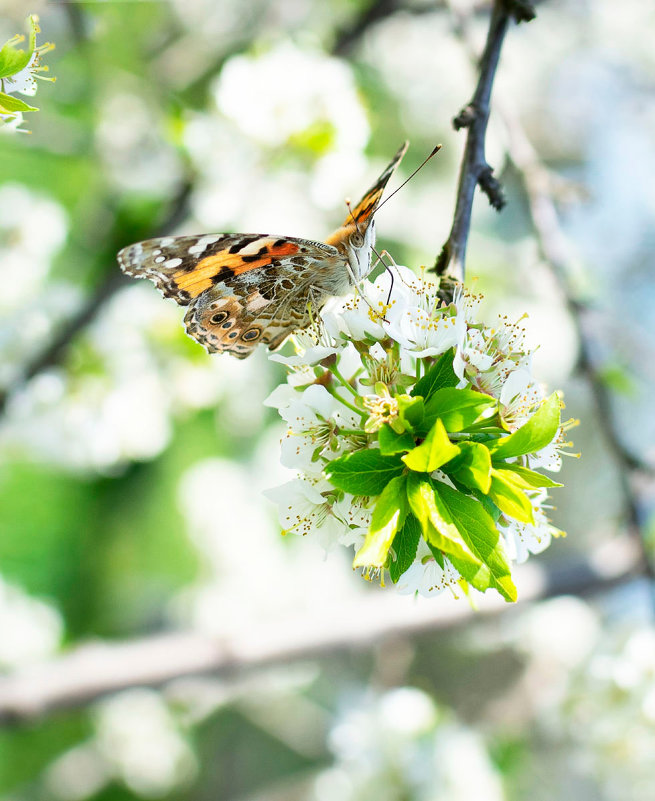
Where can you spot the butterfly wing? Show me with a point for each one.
(241, 289)
(364, 210)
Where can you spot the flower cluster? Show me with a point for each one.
(19, 71)
(417, 433)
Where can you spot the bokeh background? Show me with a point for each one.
(135, 544)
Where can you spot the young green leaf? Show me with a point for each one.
(12, 104)
(13, 60)
(539, 431)
(404, 546)
(440, 375)
(390, 442)
(509, 496)
(483, 539)
(529, 479)
(411, 412)
(472, 467)
(365, 472)
(437, 526)
(457, 408)
(388, 516)
(438, 555)
(435, 450)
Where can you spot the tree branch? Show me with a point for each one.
(474, 170)
(554, 249)
(94, 670)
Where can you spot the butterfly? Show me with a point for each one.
(246, 289)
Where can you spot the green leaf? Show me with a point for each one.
(489, 506)
(483, 539)
(472, 467)
(438, 555)
(11, 103)
(388, 516)
(509, 496)
(13, 60)
(435, 450)
(436, 524)
(390, 442)
(365, 472)
(528, 478)
(539, 431)
(457, 408)
(405, 544)
(440, 375)
(411, 412)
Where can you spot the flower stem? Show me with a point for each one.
(346, 403)
(335, 372)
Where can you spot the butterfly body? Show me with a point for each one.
(246, 289)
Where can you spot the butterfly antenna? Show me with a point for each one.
(407, 180)
(354, 219)
(379, 256)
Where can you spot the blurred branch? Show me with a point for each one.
(474, 170)
(56, 349)
(95, 670)
(376, 11)
(553, 246)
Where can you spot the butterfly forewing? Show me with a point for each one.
(364, 210)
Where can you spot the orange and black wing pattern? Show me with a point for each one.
(371, 200)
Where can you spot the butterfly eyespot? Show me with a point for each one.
(233, 334)
(219, 317)
(251, 335)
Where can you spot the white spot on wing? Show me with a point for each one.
(255, 246)
(172, 263)
(202, 244)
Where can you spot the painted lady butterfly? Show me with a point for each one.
(243, 289)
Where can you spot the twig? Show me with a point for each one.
(474, 170)
(92, 671)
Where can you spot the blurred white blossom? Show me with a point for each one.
(30, 629)
(143, 745)
(400, 745)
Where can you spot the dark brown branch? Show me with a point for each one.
(474, 170)
(91, 671)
